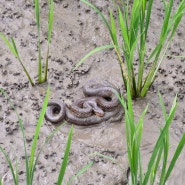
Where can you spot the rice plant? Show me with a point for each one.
(160, 154)
(32, 158)
(42, 69)
(134, 25)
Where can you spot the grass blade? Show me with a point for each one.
(149, 10)
(24, 68)
(37, 16)
(110, 159)
(50, 19)
(162, 106)
(175, 157)
(36, 134)
(50, 26)
(10, 165)
(84, 169)
(46, 65)
(113, 30)
(124, 30)
(23, 134)
(156, 165)
(160, 140)
(44, 144)
(91, 53)
(65, 160)
(11, 48)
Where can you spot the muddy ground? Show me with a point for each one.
(77, 29)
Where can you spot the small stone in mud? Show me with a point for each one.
(183, 120)
(58, 60)
(4, 72)
(21, 172)
(83, 69)
(16, 74)
(65, 5)
(29, 138)
(87, 10)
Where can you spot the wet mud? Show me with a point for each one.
(77, 30)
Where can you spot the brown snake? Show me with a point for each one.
(99, 104)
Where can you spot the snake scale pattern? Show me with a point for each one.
(99, 105)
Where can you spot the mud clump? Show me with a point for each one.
(77, 30)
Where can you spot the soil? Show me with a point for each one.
(77, 30)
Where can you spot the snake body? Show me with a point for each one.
(99, 104)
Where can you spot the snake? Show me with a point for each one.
(99, 105)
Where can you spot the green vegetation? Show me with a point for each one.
(133, 26)
(160, 154)
(159, 166)
(13, 48)
(32, 158)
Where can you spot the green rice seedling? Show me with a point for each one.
(50, 25)
(133, 26)
(32, 159)
(160, 154)
(13, 48)
(159, 162)
(133, 138)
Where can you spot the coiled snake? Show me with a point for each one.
(99, 104)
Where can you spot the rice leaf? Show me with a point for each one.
(165, 157)
(50, 26)
(149, 10)
(175, 157)
(13, 48)
(91, 53)
(165, 143)
(37, 15)
(124, 30)
(162, 106)
(177, 18)
(23, 134)
(46, 65)
(24, 68)
(84, 169)
(109, 158)
(168, 10)
(113, 30)
(10, 46)
(10, 165)
(139, 127)
(160, 140)
(65, 160)
(44, 144)
(129, 104)
(36, 134)
(156, 165)
(50, 19)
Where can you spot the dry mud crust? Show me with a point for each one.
(77, 30)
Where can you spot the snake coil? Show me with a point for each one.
(99, 104)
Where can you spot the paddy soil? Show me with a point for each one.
(77, 30)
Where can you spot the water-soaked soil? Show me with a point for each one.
(77, 30)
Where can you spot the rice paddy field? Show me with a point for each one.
(77, 30)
